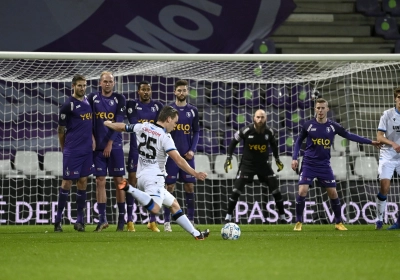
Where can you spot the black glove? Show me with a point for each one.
(279, 164)
(228, 163)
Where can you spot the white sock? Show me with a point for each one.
(282, 217)
(380, 209)
(228, 217)
(142, 197)
(184, 222)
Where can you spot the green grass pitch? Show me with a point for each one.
(262, 252)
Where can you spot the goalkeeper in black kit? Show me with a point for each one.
(257, 138)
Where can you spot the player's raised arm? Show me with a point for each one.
(118, 126)
(182, 163)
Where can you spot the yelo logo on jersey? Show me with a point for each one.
(87, 116)
(184, 127)
(105, 115)
(322, 142)
(260, 148)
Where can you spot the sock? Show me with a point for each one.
(80, 203)
(121, 212)
(129, 206)
(167, 215)
(335, 204)
(282, 217)
(300, 204)
(152, 217)
(182, 220)
(398, 219)
(232, 202)
(380, 206)
(228, 217)
(101, 207)
(142, 197)
(189, 203)
(62, 200)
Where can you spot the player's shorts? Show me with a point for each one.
(262, 170)
(174, 172)
(77, 164)
(115, 164)
(386, 168)
(324, 175)
(155, 187)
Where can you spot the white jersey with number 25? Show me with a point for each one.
(153, 143)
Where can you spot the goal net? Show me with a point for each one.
(226, 89)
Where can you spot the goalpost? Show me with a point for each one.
(227, 89)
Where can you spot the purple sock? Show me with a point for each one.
(80, 204)
(121, 211)
(101, 207)
(152, 217)
(167, 215)
(398, 219)
(129, 206)
(62, 200)
(300, 204)
(335, 204)
(189, 203)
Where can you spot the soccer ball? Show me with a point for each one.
(230, 231)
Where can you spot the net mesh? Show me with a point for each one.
(226, 93)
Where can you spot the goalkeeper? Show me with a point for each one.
(257, 137)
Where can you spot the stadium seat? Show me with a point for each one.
(28, 163)
(366, 167)
(287, 172)
(277, 95)
(240, 117)
(52, 162)
(391, 7)
(294, 119)
(5, 167)
(214, 118)
(208, 142)
(219, 167)
(339, 168)
(339, 145)
(369, 8)
(387, 28)
(227, 140)
(264, 46)
(249, 95)
(302, 96)
(202, 163)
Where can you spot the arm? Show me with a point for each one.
(231, 148)
(296, 150)
(119, 117)
(182, 164)
(380, 136)
(119, 126)
(61, 136)
(275, 151)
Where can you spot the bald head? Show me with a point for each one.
(260, 118)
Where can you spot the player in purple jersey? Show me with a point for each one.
(320, 133)
(108, 156)
(186, 136)
(77, 145)
(140, 110)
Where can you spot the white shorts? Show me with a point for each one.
(386, 168)
(155, 187)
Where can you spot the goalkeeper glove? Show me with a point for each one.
(228, 164)
(279, 164)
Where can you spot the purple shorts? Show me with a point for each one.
(115, 164)
(174, 171)
(77, 164)
(324, 175)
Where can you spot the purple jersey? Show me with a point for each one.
(76, 116)
(186, 131)
(107, 108)
(320, 138)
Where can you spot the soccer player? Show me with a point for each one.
(108, 156)
(77, 145)
(320, 133)
(140, 110)
(155, 145)
(186, 137)
(257, 137)
(389, 159)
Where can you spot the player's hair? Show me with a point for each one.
(181, 83)
(396, 92)
(143, 83)
(321, 100)
(78, 77)
(167, 111)
(105, 73)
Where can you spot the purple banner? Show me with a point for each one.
(174, 26)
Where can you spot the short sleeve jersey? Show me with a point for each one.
(76, 116)
(153, 145)
(390, 125)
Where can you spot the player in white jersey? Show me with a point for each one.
(389, 158)
(154, 146)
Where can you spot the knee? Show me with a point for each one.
(171, 188)
(189, 187)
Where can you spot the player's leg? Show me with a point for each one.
(63, 196)
(238, 189)
(100, 163)
(130, 200)
(116, 169)
(306, 178)
(396, 225)
(188, 186)
(172, 170)
(385, 171)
